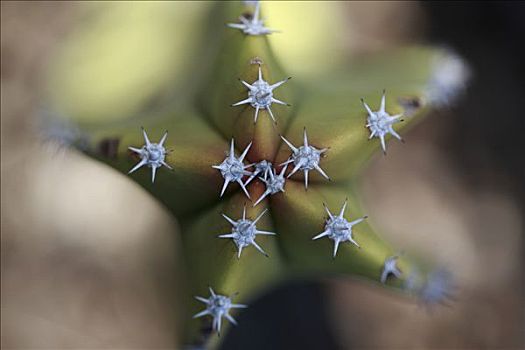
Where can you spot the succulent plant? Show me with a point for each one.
(235, 150)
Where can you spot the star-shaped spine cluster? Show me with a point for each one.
(254, 25)
(264, 167)
(305, 158)
(218, 306)
(381, 123)
(244, 231)
(437, 288)
(233, 169)
(338, 229)
(152, 155)
(260, 95)
(274, 183)
(390, 268)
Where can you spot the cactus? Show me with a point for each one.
(235, 150)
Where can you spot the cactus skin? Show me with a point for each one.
(200, 131)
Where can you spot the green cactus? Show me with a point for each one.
(200, 129)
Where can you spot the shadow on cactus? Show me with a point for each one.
(262, 172)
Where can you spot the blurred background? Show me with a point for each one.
(88, 257)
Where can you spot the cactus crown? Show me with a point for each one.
(280, 168)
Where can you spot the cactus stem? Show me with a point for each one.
(152, 155)
(338, 229)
